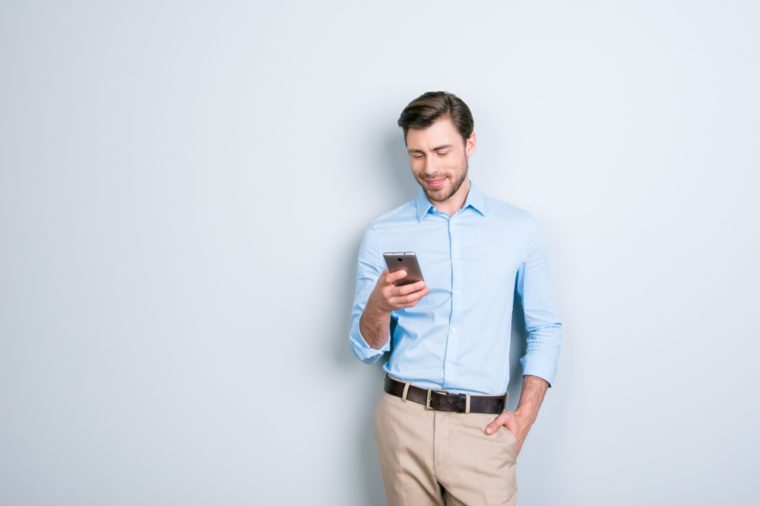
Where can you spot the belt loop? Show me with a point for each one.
(466, 403)
(406, 391)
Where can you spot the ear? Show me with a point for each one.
(470, 143)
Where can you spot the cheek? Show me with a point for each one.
(418, 166)
(452, 167)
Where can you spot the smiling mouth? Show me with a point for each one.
(435, 183)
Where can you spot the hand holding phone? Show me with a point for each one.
(406, 260)
(400, 285)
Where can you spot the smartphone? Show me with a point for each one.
(406, 260)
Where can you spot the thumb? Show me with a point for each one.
(497, 423)
(399, 274)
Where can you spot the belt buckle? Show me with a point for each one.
(430, 394)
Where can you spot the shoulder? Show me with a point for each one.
(514, 221)
(509, 213)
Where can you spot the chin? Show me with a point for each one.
(439, 195)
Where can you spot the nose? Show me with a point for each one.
(429, 168)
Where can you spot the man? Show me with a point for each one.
(443, 434)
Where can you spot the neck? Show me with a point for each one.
(452, 204)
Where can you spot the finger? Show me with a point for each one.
(410, 288)
(411, 298)
(395, 275)
(496, 423)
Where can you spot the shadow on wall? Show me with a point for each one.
(363, 403)
(394, 156)
(403, 188)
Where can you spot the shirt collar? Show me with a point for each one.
(475, 199)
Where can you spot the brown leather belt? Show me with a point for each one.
(441, 400)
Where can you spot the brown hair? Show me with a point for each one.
(428, 107)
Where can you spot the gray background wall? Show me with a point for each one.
(182, 191)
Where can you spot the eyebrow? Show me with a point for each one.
(437, 148)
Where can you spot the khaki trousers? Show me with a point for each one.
(441, 458)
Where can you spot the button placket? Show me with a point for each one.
(451, 337)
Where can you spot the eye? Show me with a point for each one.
(443, 153)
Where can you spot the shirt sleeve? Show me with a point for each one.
(370, 266)
(541, 320)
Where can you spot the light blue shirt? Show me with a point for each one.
(457, 337)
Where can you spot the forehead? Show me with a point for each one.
(441, 131)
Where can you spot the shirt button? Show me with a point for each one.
(453, 329)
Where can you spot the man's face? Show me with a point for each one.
(439, 155)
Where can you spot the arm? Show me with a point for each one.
(539, 363)
(520, 421)
(375, 299)
(542, 323)
(375, 327)
(531, 397)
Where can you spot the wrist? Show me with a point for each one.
(526, 414)
(374, 312)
